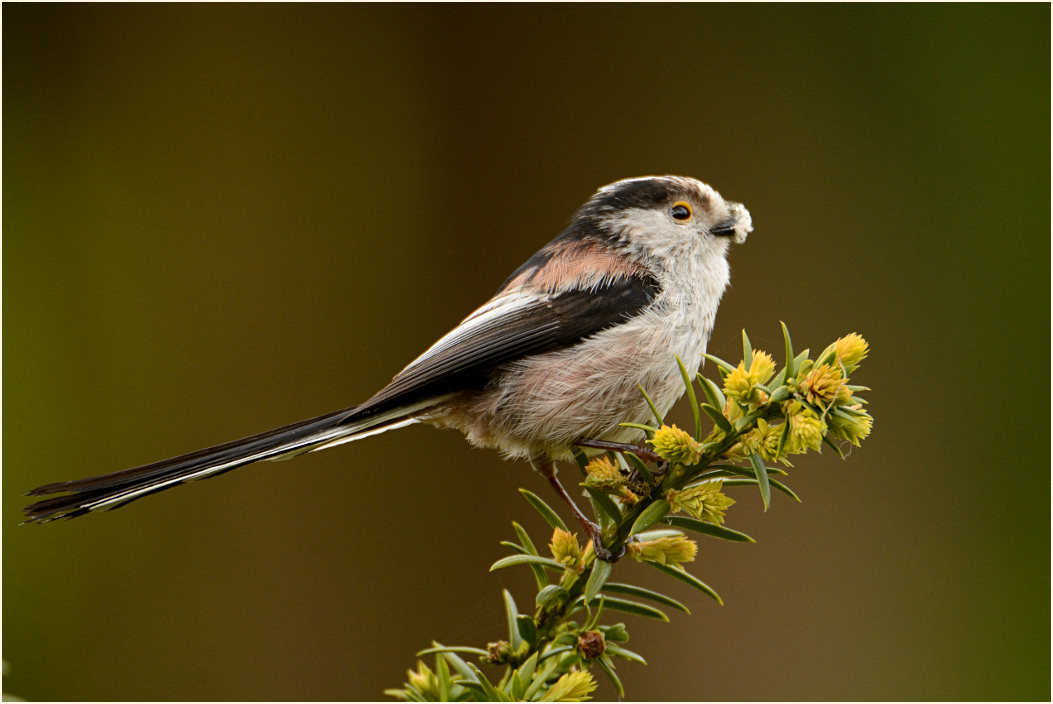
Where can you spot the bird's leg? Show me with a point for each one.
(547, 468)
(644, 453)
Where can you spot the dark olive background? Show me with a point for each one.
(220, 219)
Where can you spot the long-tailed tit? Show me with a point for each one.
(555, 359)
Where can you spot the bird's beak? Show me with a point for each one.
(738, 226)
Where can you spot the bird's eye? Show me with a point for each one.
(681, 211)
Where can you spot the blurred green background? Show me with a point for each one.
(220, 219)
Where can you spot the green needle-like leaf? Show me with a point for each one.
(687, 578)
(762, 478)
(739, 481)
(713, 393)
(724, 366)
(526, 627)
(693, 402)
(512, 560)
(601, 570)
(608, 669)
(632, 607)
(514, 639)
(710, 529)
(528, 546)
(640, 466)
(550, 595)
(442, 670)
(621, 652)
(650, 403)
(641, 593)
(550, 516)
(747, 350)
(603, 504)
(790, 371)
(718, 418)
(649, 429)
(439, 648)
(490, 693)
(650, 515)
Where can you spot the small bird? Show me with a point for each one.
(554, 360)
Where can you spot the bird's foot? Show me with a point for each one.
(644, 453)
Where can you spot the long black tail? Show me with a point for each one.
(108, 491)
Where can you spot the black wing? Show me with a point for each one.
(513, 325)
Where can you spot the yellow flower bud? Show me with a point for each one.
(741, 384)
(423, 680)
(671, 550)
(676, 445)
(603, 473)
(571, 687)
(806, 429)
(851, 350)
(703, 501)
(852, 424)
(822, 385)
(565, 549)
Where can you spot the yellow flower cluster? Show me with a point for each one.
(676, 445)
(670, 550)
(566, 550)
(704, 501)
(603, 473)
(743, 385)
(572, 687)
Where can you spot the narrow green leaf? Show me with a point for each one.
(632, 607)
(608, 669)
(580, 459)
(515, 687)
(650, 403)
(692, 400)
(514, 639)
(515, 546)
(528, 546)
(459, 665)
(774, 484)
(688, 578)
(650, 515)
(799, 360)
(550, 516)
(601, 570)
(491, 694)
(442, 672)
(717, 417)
(747, 350)
(746, 471)
(526, 671)
(512, 560)
(789, 350)
(641, 593)
(713, 393)
(778, 394)
(724, 366)
(557, 651)
(649, 429)
(762, 478)
(640, 466)
(526, 627)
(550, 595)
(613, 649)
(524, 539)
(440, 648)
(710, 529)
(659, 533)
(603, 504)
